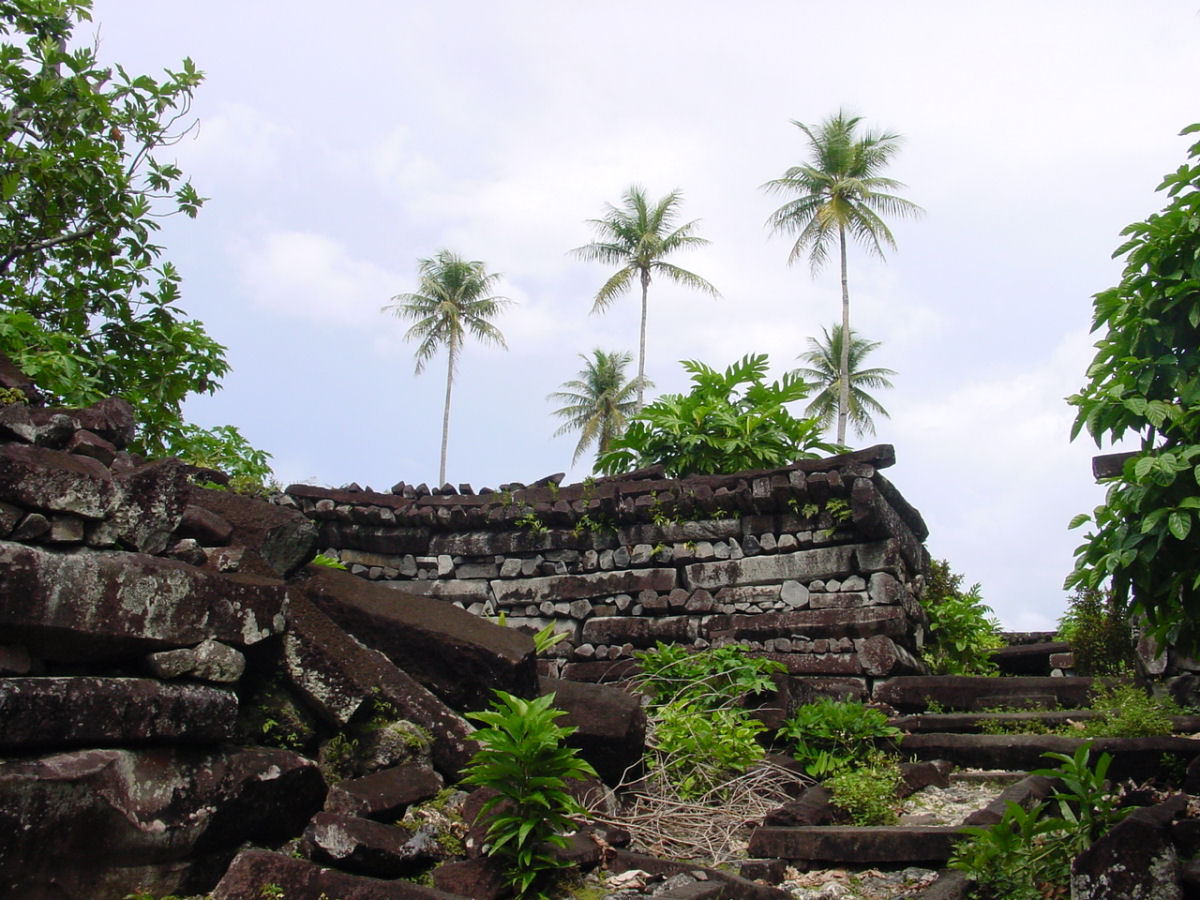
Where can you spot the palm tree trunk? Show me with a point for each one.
(446, 410)
(844, 362)
(642, 344)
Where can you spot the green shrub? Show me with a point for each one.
(699, 732)
(331, 562)
(962, 629)
(1027, 854)
(832, 736)
(522, 758)
(868, 793)
(1096, 625)
(1128, 711)
(730, 421)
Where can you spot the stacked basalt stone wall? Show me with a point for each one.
(819, 564)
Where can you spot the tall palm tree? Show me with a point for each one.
(453, 299)
(599, 401)
(839, 192)
(825, 369)
(637, 236)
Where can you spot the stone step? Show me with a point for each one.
(973, 723)
(848, 844)
(914, 693)
(1136, 758)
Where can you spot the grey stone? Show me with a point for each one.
(584, 586)
(208, 661)
(794, 594)
(767, 543)
(854, 583)
(786, 543)
(510, 568)
(32, 527)
(65, 529)
(804, 565)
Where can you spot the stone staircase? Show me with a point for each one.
(952, 734)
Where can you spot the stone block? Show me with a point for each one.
(839, 600)
(385, 794)
(640, 632)
(208, 661)
(283, 538)
(585, 586)
(127, 603)
(610, 723)
(863, 622)
(452, 591)
(253, 868)
(54, 713)
(364, 847)
(49, 481)
(841, 844)
(803, 566)
(461, 658)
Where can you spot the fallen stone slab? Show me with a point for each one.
(461, 658)
(735, 886)
(384, 794)
(81, 606)
(208, 661)
(46, 713)
(481, 878)
(848, 844)
(967, 692)
(1135, 859)
(1026, 793)
(150, 503)
(336, 674)
(304, 880)
(610, 725)
(370, 848)
(1136, 758)
(974, 723)
(99, 824)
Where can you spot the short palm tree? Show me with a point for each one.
(825, 370)
(839, 192)
(599, 401)
(638, 236)
(453, 299)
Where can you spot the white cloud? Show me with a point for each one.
(313, 277)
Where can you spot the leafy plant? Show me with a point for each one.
(1145, 381)
(522, 757)
(728, 422)
(1097, 626)
(226, 449)
(1128, 711)
(531, 521)
(698, 749)
(1027, 854)
(962, 629)
(839, 509)
(331, 562)
(867, 793)
(833, 736)
(700, 733)
(547, 638)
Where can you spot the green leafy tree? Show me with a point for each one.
(962, 629)
(840, 193)
(730, 421)
(598, 402)
(87, 306)
(1144, 382)
(824, 369)
(637, 237)
(453, 299)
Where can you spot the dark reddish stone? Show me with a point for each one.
(610, 723)
(460, 657)
(480, 879)
(41, 713)
(1028, 659)
(919, 775)
(85, 443)
(813, 807)
(1134, 859)
(622, 860)
(150, 504)
(100, 823)
(205, 526)
(877, 520)
(336, 674)
(13, 378)
(914, 693)
(111, 418)
(127, 603)
(368, 848)
(839, 844)
(43, 480)
(814, 623)
(300, 879)
(641, 632)
(383, 794)
(283, 538)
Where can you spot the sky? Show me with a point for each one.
(340, 147)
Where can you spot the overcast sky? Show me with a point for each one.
(339, 145)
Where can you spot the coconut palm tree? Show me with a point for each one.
(825, 370)
(637, 236)
(840, 192)
(598, 401)
(453, 299)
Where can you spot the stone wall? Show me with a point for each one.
(819, 564)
